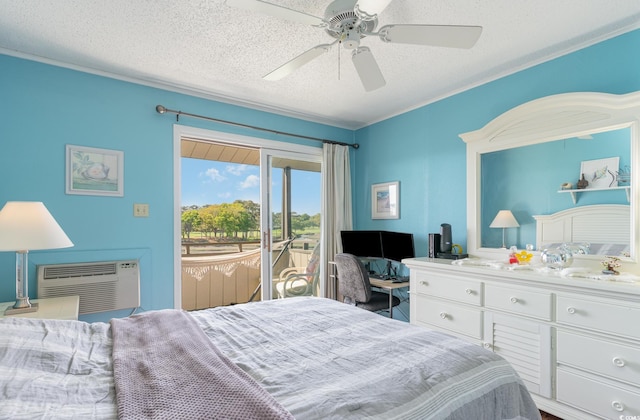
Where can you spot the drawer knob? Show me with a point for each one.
(514, 299)
(424, 283)
(618, 361)
(444, 315)
(487, 346)
(617, 405)
(468, 291)
(571, 310)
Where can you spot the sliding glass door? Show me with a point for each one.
(290, 221)
(248, 219)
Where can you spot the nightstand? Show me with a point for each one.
(65, 307)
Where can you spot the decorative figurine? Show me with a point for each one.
(513, 259)
(582, 183)
(611, 265)
(524, 257)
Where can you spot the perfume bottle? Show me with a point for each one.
(512, 255)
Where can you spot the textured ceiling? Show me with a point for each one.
(210, 49)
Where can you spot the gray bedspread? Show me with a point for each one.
(319, 358)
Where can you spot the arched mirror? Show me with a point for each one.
(529, 161)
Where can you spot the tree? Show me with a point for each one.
(207, 223)
(209, 214)
(252, 220)
(231, 218)
(190, 221)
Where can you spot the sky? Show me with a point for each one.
(210, 182)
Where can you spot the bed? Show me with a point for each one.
(605, 227)
(315, 358)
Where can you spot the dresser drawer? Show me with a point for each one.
(602, 315)
(602, 399)
(519, 301)
(449, 316)
(449, 287)
(604, 357)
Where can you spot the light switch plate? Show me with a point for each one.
(141, 210)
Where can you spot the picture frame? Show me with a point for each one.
(385, 200)
(600, 173)
(93, 171)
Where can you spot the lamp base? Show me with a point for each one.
(15, 311)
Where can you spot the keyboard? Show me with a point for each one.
(398, 279)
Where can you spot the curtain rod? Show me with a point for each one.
(162, 110)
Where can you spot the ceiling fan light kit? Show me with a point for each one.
(348, 21)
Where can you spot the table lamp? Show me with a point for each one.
(504, 219)
(25, 226)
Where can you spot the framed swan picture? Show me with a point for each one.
(92, 171)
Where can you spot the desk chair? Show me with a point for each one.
(354, 285)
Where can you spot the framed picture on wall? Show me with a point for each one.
(600, 173)
(385, 200)
(91, 171)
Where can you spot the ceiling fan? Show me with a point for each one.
(348, 21)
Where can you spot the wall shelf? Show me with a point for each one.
(574, 193)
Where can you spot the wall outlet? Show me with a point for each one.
(141, 210)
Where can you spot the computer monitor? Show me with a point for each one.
(362, 243)
(397, 245)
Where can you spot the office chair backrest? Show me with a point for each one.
(353, 278)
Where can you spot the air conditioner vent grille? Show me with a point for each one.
(79, 270)
(101, 286)
(94, 297)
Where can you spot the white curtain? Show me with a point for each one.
(336, 208)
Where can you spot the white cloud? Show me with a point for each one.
(250, 182)
(214, 175)
(236, 169)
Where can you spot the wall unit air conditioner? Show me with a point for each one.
(102, 286)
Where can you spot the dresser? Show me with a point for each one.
(574, 342)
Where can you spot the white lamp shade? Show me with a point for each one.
(28, 225)
(504, 219)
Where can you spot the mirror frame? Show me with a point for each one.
(547, 119)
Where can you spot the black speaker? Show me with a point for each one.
(445, 238)
(434, 245)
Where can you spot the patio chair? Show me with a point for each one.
(300, 281)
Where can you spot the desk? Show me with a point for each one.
(390, 286)
(51, 308)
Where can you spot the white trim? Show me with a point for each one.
(286, 149)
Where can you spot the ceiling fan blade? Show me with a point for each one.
(293, 65)
(369, 9)
(434, 35)
(367, 68)
(276, 11)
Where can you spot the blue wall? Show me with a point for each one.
(422, 150)
(44, 107)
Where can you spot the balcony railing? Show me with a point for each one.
(214, 275)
